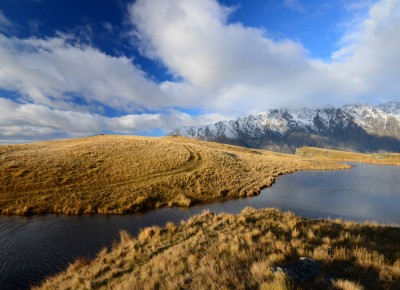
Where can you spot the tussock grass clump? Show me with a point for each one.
(328, 154)
(122, 174)
(239, 251)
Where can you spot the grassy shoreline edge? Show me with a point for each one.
(92, 176)
(123, 174)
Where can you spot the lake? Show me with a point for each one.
(32, 248)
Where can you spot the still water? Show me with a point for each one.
(32, 248)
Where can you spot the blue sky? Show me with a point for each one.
(82, 67)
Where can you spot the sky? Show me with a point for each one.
(72, 68)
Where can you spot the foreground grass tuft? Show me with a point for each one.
(239, 251)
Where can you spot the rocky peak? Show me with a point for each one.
(354, 127)
(390, 108)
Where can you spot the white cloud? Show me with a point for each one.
(24, 122)
(50, 71)
(371, 51)
(238, 69)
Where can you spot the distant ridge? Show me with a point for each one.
(360, 128)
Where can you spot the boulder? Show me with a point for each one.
(302, 271)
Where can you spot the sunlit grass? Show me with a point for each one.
(327, 154)
(121, 174)
(239, 251)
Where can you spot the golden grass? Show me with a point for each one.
(121, 174)
(238, 252)
(328, 154)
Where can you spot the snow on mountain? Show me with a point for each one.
(390, 108)
(361, 126)
(381, 120)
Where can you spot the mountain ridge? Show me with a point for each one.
(361, 128)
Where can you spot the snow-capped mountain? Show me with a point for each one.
(363, 128)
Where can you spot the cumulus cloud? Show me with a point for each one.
(64, 88)
(238, 69)
(371, 51)
(54, 71)
(194, 40)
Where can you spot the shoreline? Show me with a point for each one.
(121, 175)
(124, 175)
(257, 191)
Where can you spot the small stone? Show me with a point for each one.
(302, 271)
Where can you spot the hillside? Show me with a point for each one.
(377, 158)
(239, 252)
(360, 128)
(121, 174)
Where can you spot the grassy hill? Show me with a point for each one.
(239, 252)
(327, 154)
(121, 174)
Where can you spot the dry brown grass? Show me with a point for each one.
(121, 174)
(238, 252)
(328, 154)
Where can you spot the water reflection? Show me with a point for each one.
(366, 192)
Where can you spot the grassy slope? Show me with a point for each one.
(237, 252)
(327, 154)
(120, 174)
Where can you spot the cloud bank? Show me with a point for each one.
(220, 68)
(25, 122)
(52, 71)
(235, 66)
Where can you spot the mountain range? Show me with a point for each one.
(361, 128)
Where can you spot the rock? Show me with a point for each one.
(302, 271)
